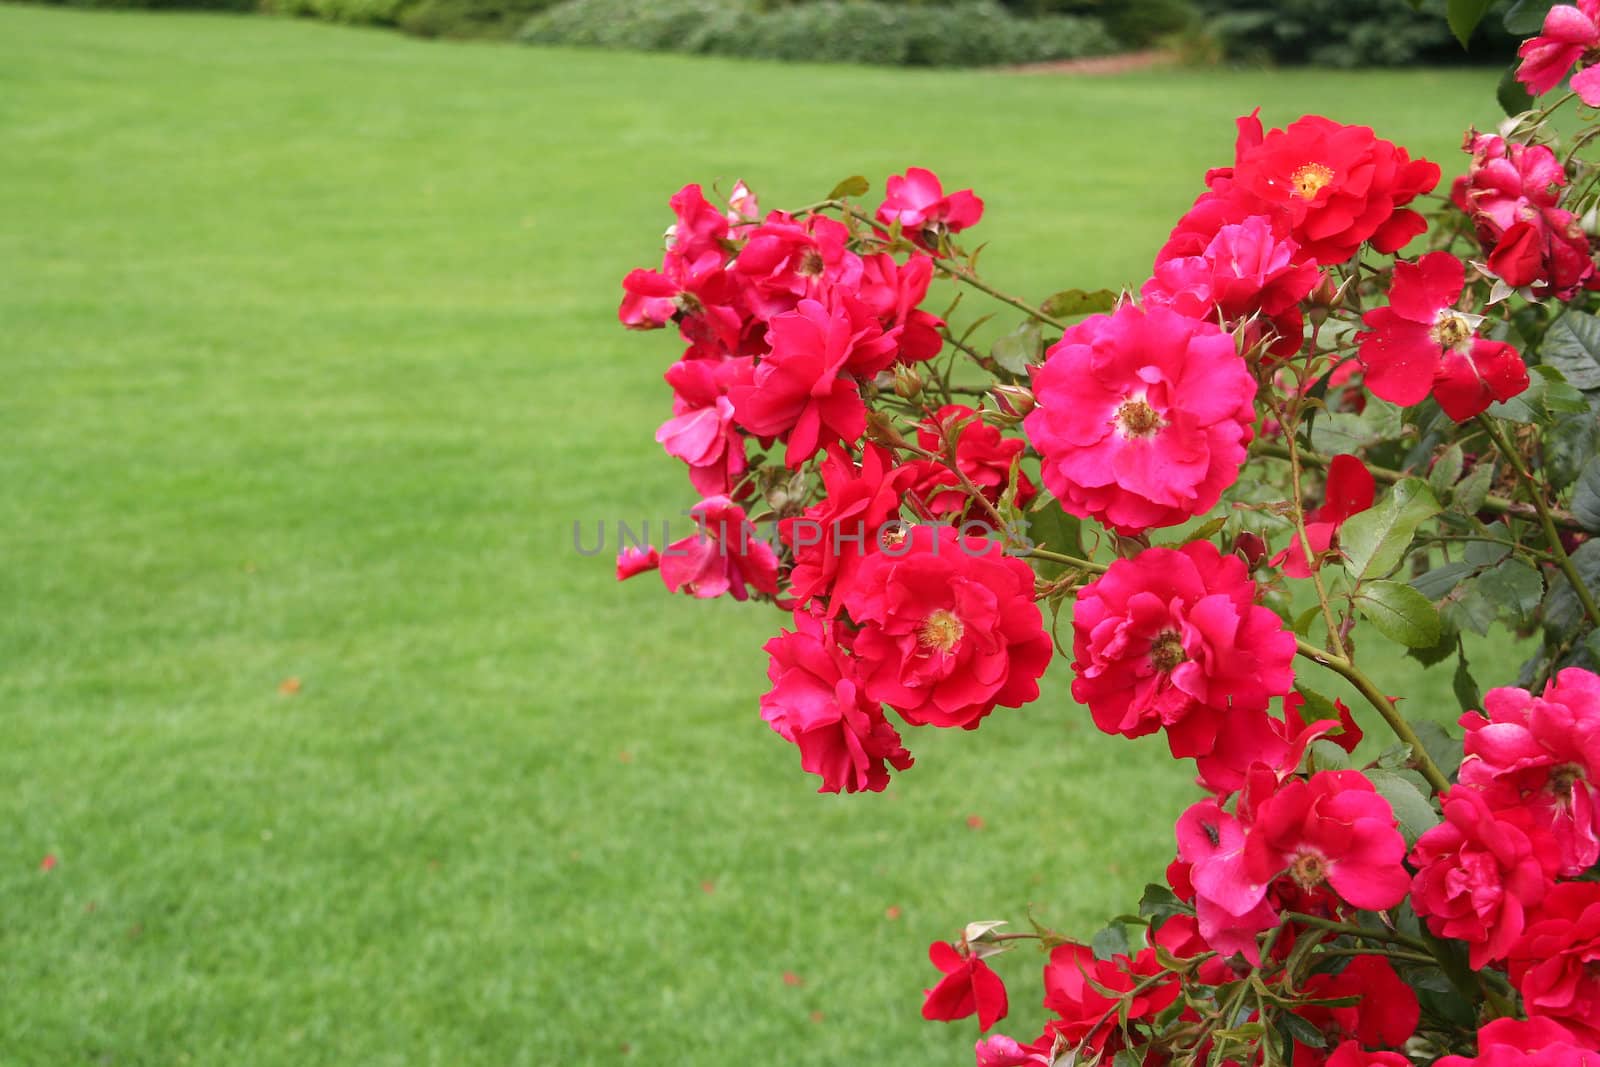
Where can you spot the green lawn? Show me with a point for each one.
(310, 364)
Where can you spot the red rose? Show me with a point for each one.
(1173, 639)
(1332, 828)
(786, 260)
(805, 390)
(723, 556)
(1568, 34)
(701, 431)
(1386, 1017)
(817, 702)
(1142, 417)
(835, 533)
(893, 292)
(1479, 874)
(1422, 342)
(968, 986)
(1338, 186)
(1351, 1054)
(949, 629)
(1076, 986)
(1247, 274)
(1512, 193)
(1556, 964)
(1543, 754)
(918, 202)
(1526, 1043)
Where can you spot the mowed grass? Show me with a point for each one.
(310, 364)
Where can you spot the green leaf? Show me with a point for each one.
(1446, 470)
(1052, 528)
(1562, 612)
(1485, 553)
(1302, 622)
(1464, 16)
(855, 185)
(1159, 902)
(1413, 810)
(1345, 431)
(1561, 397)
(1513, 96)
(1526, 17)
(1514, 587)
(1572, 346)
(1465, 687)
(1437, 583)
(1300, 1030)
(1473, 490)
(1375, 541)
(1110, 941)
(1069, 302)
(1324, 755)
(1586, 497)
(1020, 348)
(1444, 750)
(1568, 445)
(1400, 613)
(1466, 608)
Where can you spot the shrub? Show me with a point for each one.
(670, 25)
(355, 12)
(468, 18)
(831, 32)
(924, 548)
(205, 5)
(1344, 33)
(965, 34)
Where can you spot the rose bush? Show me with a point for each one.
(1323, 409)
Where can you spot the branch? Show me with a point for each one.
(1367, 688)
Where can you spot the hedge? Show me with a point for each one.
(978, 33)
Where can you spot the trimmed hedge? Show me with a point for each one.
(977, 33)
(1348, 33)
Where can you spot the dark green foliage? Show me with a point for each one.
(208, 5)
(1143, 22)
(1346, 33)
(468, 18)
(670, 26)
(826, 31)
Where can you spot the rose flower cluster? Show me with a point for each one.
(901, 595)
(916, 526)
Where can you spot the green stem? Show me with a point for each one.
(1392, 937)
(1367, 688)
(949, 266)
(1393, 954)
(1071, 561)
(1335, 641)
(1563, 560)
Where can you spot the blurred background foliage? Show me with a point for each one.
(936, 33)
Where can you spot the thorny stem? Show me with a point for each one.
(1392, 937)
(1071, 561)
(1335, 641)
(1393, 954)
(1365, 686)
(1563, 560)
(949, 266)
